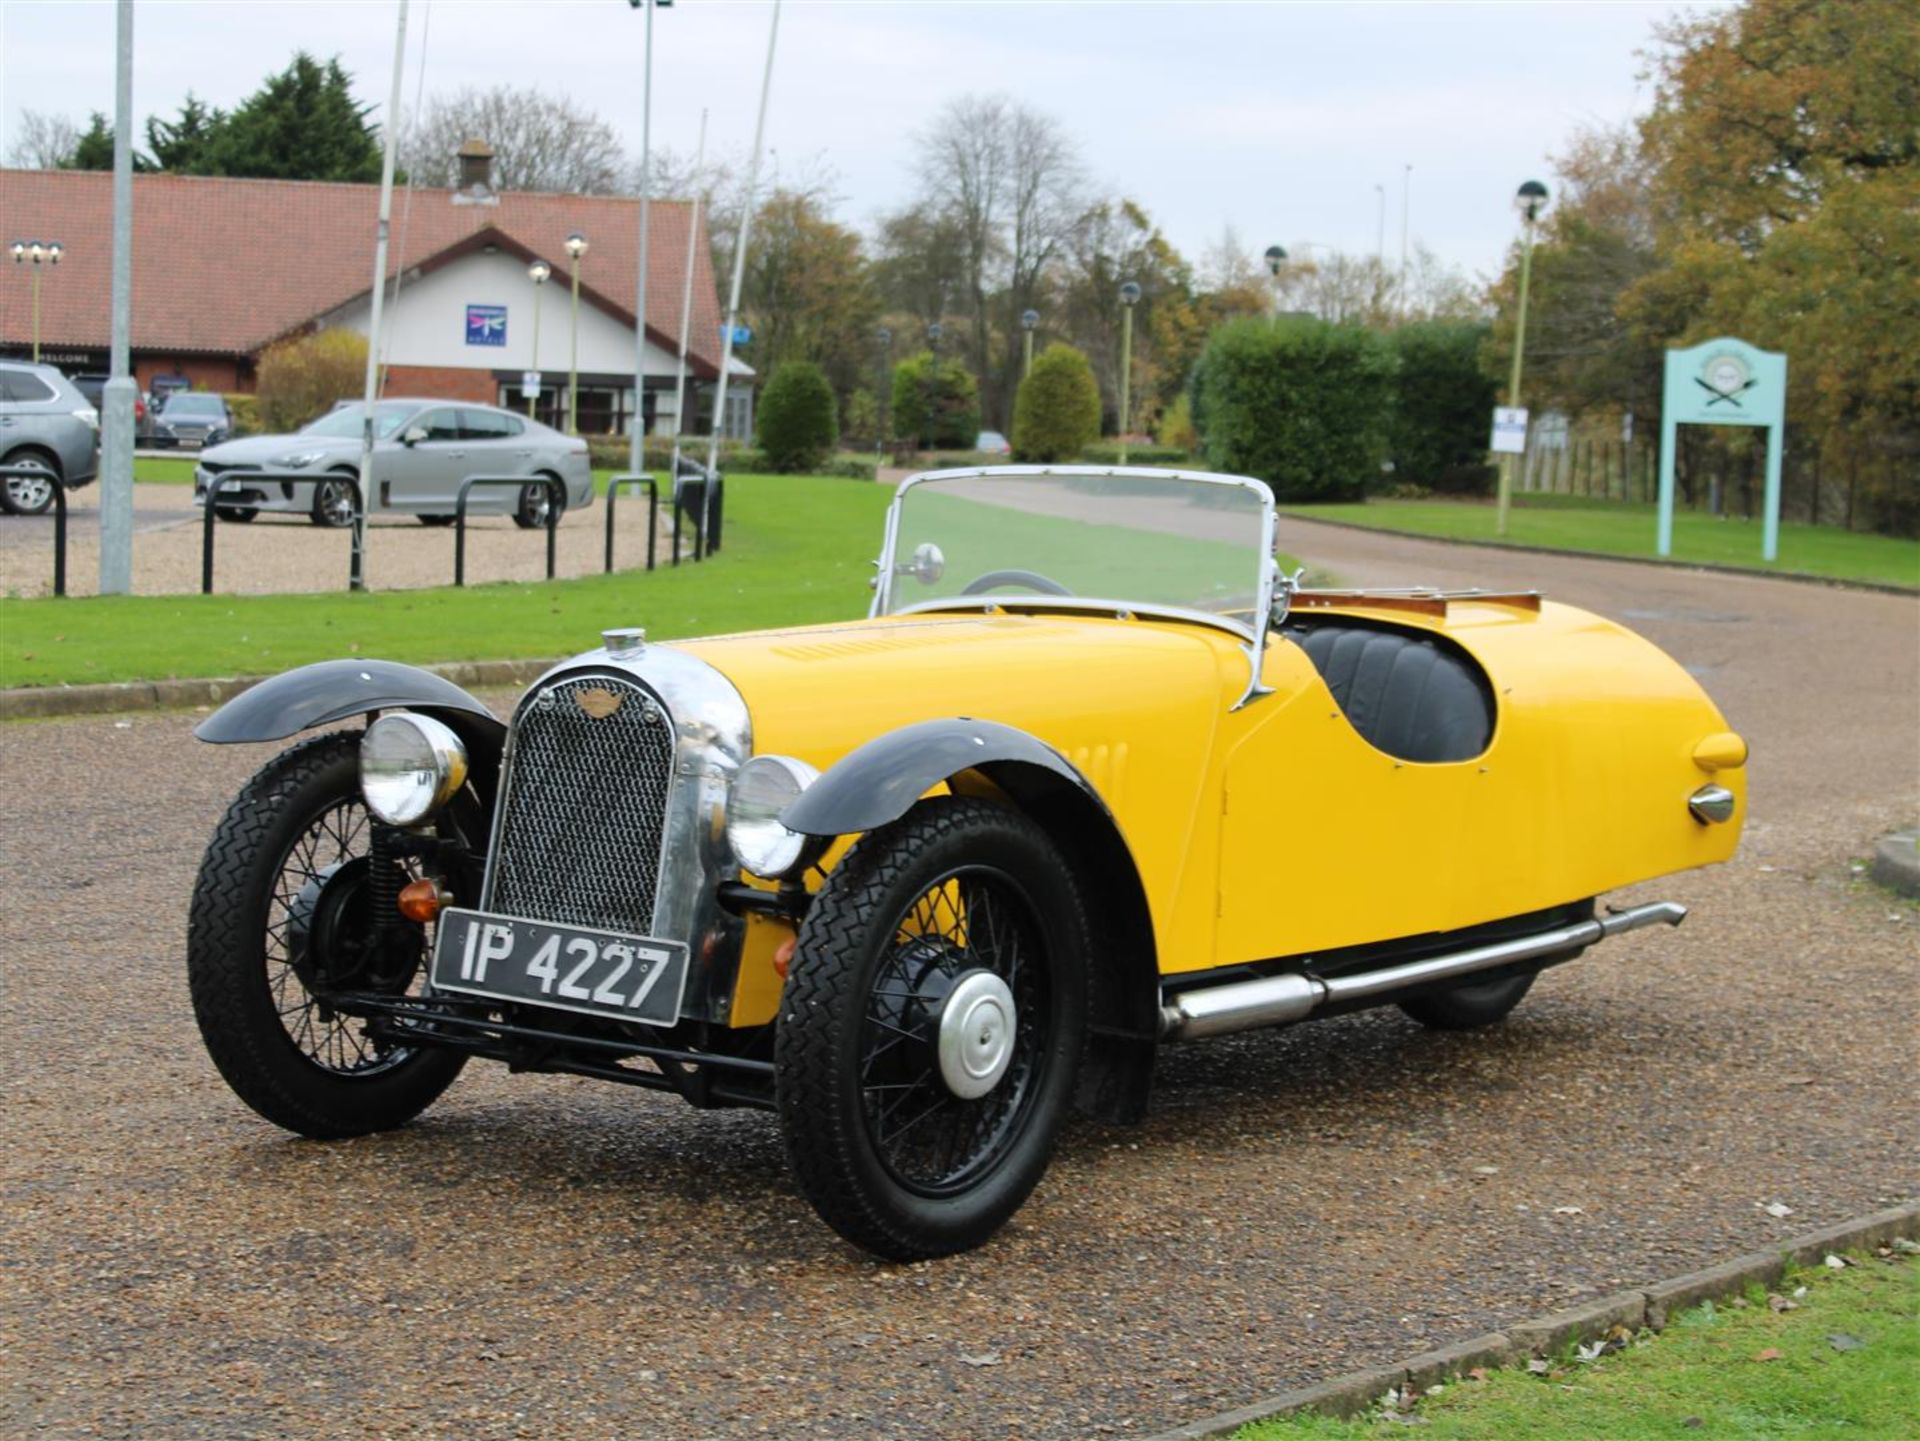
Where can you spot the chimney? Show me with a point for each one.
(476, 174)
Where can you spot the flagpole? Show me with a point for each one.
(739, 273)
(390, 127)
(686, 300)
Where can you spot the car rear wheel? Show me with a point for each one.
(530, 511)
(281, 917)
(932, 1027)
(334, 501)
(29, 494)
(1469, 1007)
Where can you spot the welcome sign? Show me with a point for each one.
(1724, 382)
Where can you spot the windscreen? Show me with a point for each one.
(1130, 538)
(201, 405)
(345, 421)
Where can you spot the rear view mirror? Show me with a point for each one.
(413, 435)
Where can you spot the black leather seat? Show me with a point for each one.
(1415, 696)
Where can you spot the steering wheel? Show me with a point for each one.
(1029, 579)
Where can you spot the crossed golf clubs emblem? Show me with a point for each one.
(1725, 378)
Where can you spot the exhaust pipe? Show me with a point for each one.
(1293, 996)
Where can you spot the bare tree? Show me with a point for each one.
(1006, 179)
(43, 141)
(540, 141)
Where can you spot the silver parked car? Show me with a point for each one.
(422, 450)
(46, 426)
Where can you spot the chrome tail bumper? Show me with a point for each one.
(1276, 1000)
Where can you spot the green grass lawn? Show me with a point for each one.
(168, 470)
(1717, 1371)
(1575, 523)
(797, 550)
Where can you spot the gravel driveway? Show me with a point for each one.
(286, 553)
(546, 1256)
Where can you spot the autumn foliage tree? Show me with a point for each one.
(300, 379)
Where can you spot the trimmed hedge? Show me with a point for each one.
(1056, 411)
(1303, 405)
(1107, 453)
(799, 424)
(1443, 406)
(935, 405)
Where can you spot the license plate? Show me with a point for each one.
(602, 973)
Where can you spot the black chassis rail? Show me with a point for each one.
(706, 1079)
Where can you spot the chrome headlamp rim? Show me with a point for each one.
(763, 788)
(422, 789)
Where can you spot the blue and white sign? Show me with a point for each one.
(486, 325)
(741, 334)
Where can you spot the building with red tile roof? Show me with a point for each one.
(223, 268)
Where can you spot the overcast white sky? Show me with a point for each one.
(1276, 118)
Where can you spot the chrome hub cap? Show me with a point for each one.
(977, 1027)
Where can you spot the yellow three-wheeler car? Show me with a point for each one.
(919, 882)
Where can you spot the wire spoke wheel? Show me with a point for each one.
(932, 1025)
(281, 934)
(929, 1136)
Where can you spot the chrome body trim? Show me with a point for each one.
(1711, 805)
(1293, 996)
(1253, 637)
(713, 738)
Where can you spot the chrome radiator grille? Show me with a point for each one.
(579, 832)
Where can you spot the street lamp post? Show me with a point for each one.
(1276, 258)
(1129, 297)
(576, 247)
(637, 423)
(537, 273)
(1028, 320)
(934, 332)
(1529, 200)
(883, 398)
(39, 253)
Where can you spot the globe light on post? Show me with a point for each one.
(1129, 297)
(576, 247)
(934, 332)
(1276, 258)
(883, 394)
(538, 272)
(1029, 320)
(1530, 199)
(41, 254)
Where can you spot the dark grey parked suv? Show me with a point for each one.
(48, 427)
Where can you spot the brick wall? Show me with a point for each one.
(443, 382)
(205, 372)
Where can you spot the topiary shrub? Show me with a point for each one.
(1303, 405)
(935, 405)
(1443, 407)
(799, 425)
(299, 380)
(1176, 430)
(1056, 411)
(245, 413)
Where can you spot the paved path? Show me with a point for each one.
(554, 1257)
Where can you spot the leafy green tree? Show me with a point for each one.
(808, 294)
(937, 404)
(301, 124)
(798, 427)
(1443, 404)
(178, 144)
(1056, 413)
(1303, 405)
(94, 149)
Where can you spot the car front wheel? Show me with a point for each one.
(932, 1027)
(32, 493)
(334, 501)
(1469, 1007)
(282, 918)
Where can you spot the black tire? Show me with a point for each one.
(530, 510)
(1469, 1007)
(295, 1062)
(860, 983)
(335, 500)
(435, 520)
(238, 514)
(29, 495)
